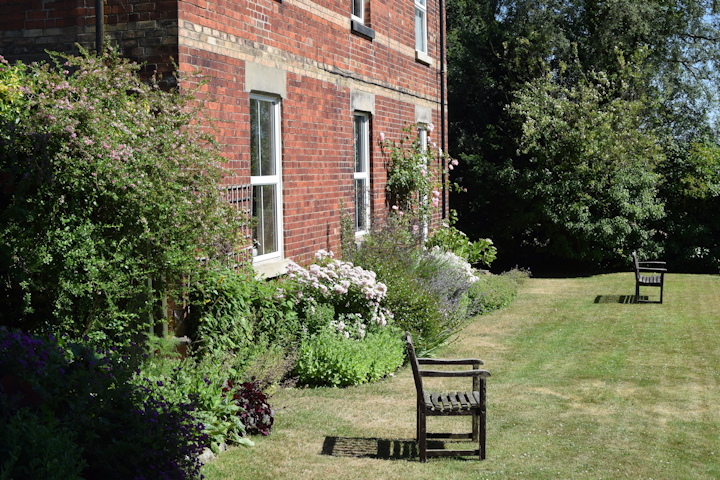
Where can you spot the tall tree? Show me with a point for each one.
(497, 48)
(590, 176)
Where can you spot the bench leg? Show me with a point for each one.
(475, 428)
(482, 420)
(422, 435)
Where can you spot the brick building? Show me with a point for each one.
(301, 91)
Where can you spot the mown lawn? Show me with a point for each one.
(584, 386)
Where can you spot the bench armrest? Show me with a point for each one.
(442, 361)
(652, 269)
(460, 373)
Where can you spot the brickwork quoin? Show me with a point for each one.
(306, 55)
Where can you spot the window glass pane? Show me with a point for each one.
(361, 206)
(264, 214)
(261, 134)
(358, 8)
(360, 164)
(420, 36)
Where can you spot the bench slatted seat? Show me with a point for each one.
(648, 274)
(471, 403)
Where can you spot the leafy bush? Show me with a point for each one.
(492, 292)
(220, 308)
(33, 445)
(335, 360)
(122, 430)
(232, 311)
(106, 182)
(416, 311)
(200, 381)
(450, 239)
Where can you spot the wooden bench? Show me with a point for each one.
(429, 404)
(648, 274)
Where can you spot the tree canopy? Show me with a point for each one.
(569, 117)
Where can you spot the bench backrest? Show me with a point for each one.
(414, 364)
(637, 265)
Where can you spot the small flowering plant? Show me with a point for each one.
(414, 181)
(355, 295)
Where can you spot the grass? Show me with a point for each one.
(584, 386)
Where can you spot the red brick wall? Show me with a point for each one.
(144, 30)
(28, 28)
(312, 41)
(324, 63)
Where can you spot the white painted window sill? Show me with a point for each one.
(424, 58)
(271, 268)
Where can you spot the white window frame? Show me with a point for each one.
(270, 180)
(358, 10)
(361, 171)
(421, 33)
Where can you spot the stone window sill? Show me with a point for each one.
(358, 28)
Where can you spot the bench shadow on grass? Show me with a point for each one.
(378, 448)
(618, 298)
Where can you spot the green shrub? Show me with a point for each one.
(415, 310)
(122, 429)
(33, 446)
(450, 239)
(221, 317)
(106, 182)
(275, 313)
(234, 313)
(492, 292)
(331, 359)
(200, 381)
(228, 407)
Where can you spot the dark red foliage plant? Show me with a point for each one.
(256, 413)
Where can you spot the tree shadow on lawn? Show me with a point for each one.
(378, 448)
